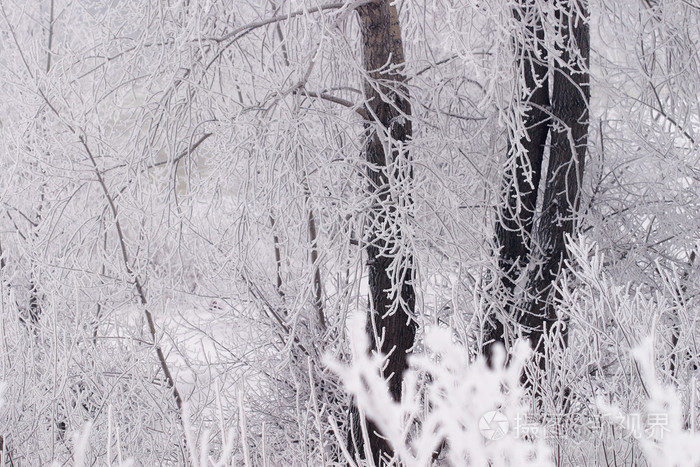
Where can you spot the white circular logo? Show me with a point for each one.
(493, 425)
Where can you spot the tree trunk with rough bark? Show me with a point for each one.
(531, 245)
(523, 172)
(390, 323)
(562, 189)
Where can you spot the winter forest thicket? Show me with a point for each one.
(353, 232)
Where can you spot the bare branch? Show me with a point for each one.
(361, 111)
(276, 19)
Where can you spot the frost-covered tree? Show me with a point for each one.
(391, 321)
(199, 196)
(542, 181)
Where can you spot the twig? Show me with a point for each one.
(313, 237)
(276, 19)
(340, 101)
(278, 258)
(137, 283)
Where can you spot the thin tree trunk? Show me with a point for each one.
(390, 323)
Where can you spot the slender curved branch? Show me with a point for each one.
(276, 19)
(137, 282)
(340, 101)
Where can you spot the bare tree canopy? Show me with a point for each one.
(352, 232)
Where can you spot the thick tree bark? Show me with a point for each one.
(390, 322)
(569, 137)
(562, 194)
(529, 254)
(523, 170)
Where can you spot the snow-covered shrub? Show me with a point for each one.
(469, 407)
(660, 429)
(602, 367)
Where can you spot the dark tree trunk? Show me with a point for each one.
(390, 323)
(523, 171)
(538, 251)
(569, 137)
